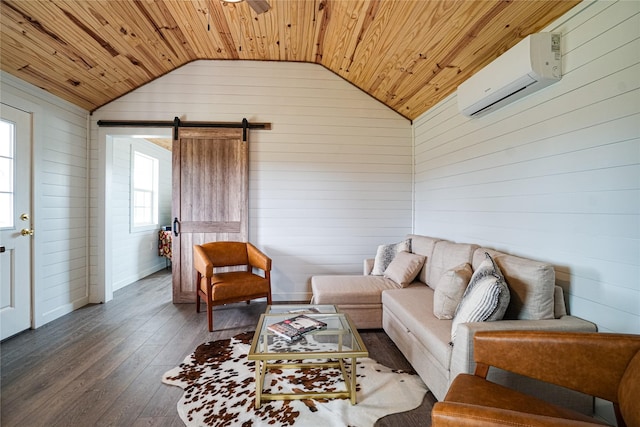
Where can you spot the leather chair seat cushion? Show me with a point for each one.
(235, 284)
(474, 390)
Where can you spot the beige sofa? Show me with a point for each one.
(406, 313)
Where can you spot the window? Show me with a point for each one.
(7, 147)
(144, 192)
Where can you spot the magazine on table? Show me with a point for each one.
(310, 310)
(294, 328)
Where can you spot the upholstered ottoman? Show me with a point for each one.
(358, 296)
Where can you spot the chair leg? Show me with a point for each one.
(210, 317)
(198, 279)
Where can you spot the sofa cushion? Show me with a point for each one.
(559, 309)
(386, 253)
(349, 289)
(485, 299)
(412, 307)
(447, 255)
(450, 289)
(422, 245)
(404, 268)
(531, 284)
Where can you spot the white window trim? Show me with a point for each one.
(12, 179)
(154, 225)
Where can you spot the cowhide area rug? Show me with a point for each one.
(219, 390)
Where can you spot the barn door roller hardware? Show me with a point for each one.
(177, 123)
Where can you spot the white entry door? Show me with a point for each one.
(15, 221)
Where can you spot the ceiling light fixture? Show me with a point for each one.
(259, 6)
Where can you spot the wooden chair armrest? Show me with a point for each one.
(201, 261)
(258, 259)
(592, 363)
(452, 414)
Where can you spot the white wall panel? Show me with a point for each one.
(60, 202)
(135, 253)
(556, 175)
(329, 182)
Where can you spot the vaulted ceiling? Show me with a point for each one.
(409, 54)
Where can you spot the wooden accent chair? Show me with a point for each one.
(603, 365)
(226, 287)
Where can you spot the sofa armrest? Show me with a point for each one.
(462, 354)
(453, 414)
(368, 266)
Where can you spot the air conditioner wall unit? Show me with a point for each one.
(532, 64)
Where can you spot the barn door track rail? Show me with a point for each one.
(177, 123)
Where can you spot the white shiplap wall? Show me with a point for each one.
(329, 182)
(60, 199)
(135, 254)
(554, 176)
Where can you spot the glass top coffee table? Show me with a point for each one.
(326, 348)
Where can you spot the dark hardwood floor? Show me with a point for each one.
(102, 364)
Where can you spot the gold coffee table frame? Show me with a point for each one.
(339, 329)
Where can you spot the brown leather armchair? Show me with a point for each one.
(601, 365)
(218, 287)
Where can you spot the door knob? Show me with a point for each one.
(26, 232)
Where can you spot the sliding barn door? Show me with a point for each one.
(210, 197)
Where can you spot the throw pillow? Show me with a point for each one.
(450, 289)
(485, 299)
(386, 253)
(404, 268)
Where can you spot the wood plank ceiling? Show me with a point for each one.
(409, 54)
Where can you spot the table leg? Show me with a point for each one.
(353, 380)
(259, 380)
